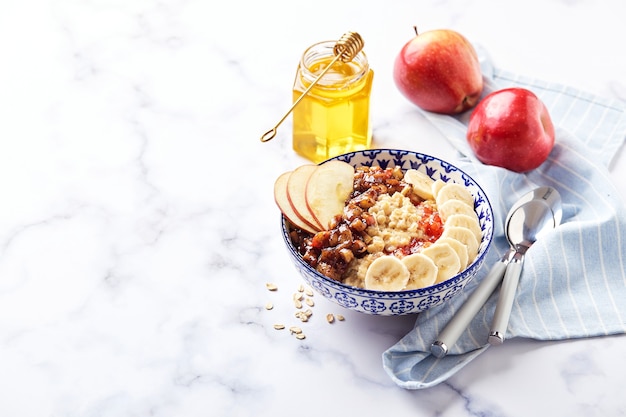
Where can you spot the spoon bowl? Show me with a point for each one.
(533, 215)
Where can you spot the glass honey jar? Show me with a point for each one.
(334, 117)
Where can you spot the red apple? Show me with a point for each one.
(439, 71)
(511, 128)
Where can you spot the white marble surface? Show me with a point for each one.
(137, 225)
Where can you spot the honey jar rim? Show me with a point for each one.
(325, 49)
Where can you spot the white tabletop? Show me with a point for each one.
(138, 227)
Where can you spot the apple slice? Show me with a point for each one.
(296, 188)
(327, 190)
(282, 201)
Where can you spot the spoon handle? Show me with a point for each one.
(455, 327)
(505, 300)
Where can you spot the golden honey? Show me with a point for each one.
(333, 118)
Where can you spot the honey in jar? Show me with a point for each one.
(333, 118)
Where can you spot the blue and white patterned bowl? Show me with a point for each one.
(411, 301)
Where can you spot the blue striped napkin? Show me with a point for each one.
(573, 283)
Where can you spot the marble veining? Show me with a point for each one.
(138, 228)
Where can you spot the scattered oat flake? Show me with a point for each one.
(297, 296)
(340, 317)
(309, 292)
(309, 302)
(279, 326)
(300, 288)
(302, 316)
(269, 306)
(300, 336)
(271, 287)
(295, 330)
(297, 303)
(330, 317)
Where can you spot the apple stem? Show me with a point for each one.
(415, 29)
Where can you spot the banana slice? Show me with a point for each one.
(454, 206)
(465, 236)
(469, 222)
(422, 270)
(459, 248)
(422, 183)
(386, 273)
(446, 259)
(437, 185)
(454, 191)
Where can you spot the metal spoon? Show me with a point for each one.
(539, 215)
(477, 299)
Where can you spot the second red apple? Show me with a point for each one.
(511, 128)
